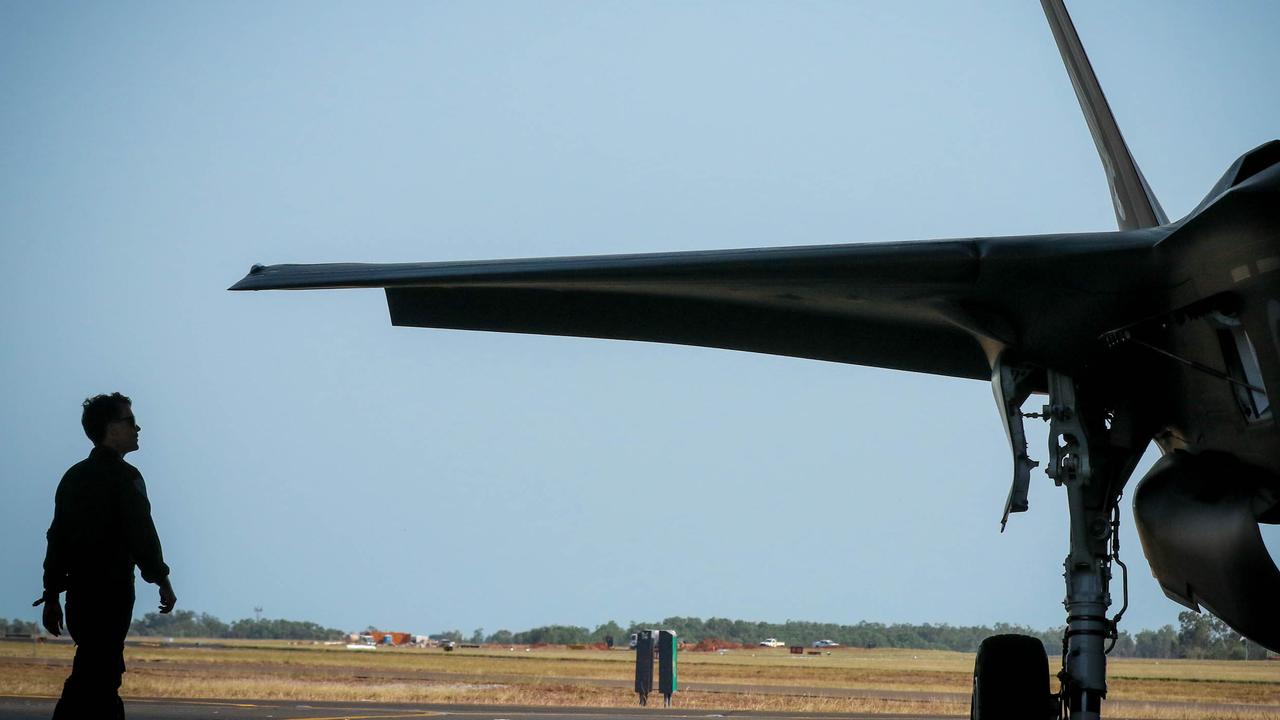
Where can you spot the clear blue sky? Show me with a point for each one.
(305, 456)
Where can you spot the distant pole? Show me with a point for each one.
(257, 613)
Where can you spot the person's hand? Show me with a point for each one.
(51, 617)
(167, 598)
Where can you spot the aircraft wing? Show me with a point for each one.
(940, 307)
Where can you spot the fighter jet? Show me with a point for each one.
(1164, 331)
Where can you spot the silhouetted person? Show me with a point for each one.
(101, 529)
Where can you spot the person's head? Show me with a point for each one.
(109, 423)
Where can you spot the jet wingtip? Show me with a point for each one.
(245, 283)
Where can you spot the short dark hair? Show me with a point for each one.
(100, 410)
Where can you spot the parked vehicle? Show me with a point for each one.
(825, 643)
(772, 642)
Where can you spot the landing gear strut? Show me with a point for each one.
(1073, 462)
(1011, 672)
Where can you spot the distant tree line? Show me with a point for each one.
(746, 632)
(17, 627)
(1197, 636)
(187, 624)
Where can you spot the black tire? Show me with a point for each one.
(1011, 680)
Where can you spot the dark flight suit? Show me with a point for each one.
(101, 528)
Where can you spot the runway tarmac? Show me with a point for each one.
(31, 708)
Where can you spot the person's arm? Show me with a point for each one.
(144, 542)
(55, 569)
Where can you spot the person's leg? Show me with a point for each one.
(123, 619)
(117, 616)
(98, 620)
(71, 704)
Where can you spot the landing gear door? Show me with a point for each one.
(1012, 385)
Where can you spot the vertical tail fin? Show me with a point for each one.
(1135, 205)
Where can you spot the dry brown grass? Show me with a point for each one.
(547, 676)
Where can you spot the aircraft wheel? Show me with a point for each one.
(1011, 680)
